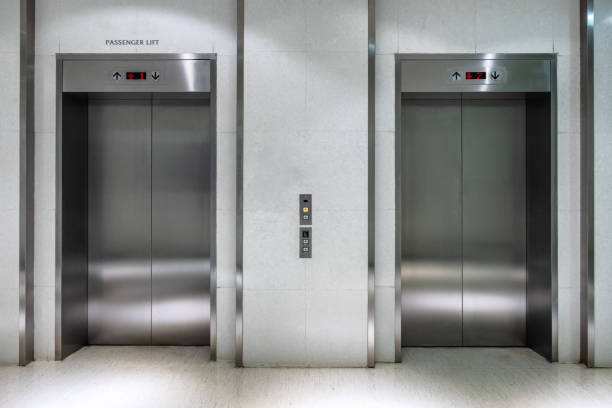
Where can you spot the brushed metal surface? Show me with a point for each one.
(71, 230)
(424, 83)
(431, 222)
(398, 167)
(180, 221)
(541, 320)
(494, 270)
(553, 248)
(177, 75)
(239, 180)
(27, 24)
(212, 231)
(587, 183)
(434, 75)
(463, 255)
(371, 181)
(119, 287)
(131, 111)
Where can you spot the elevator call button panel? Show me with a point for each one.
(305, 237)
(305, 209)
(305, 242)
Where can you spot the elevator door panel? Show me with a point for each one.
(181, 198)
(494, 264)
(119, 232)
(431, 230)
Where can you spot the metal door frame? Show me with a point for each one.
(399, 58)
(60, 58)
(587, 182)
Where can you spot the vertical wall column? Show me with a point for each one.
(9, 181)
(26, 181)
(16, 180)
(305, 131)
(596, 193)
(371, 182)
(586, 182)
(239, 179)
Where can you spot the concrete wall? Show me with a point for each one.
(447, 26)
(82, 26)
(305, 131)
(603, 175)
(9, 181)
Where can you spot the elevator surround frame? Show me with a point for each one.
(62, 349)
(460, 59)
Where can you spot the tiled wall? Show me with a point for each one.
(448, 26)
(603, 191)
(9, 181)
(82, 26)
(305, 131)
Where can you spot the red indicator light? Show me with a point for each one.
(475, 75)
(137, 76)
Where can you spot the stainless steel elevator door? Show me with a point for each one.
(181, 194)
(119, 201)
(494, 223)
(149, 220)
(431, 233)
(463, 221)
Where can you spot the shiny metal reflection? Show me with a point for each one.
(181, 218)
(110, 246)
(507, 202)
(431, 222)
(119, 230)
(463, 270)
(149, 221)
(494, 222)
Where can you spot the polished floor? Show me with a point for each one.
(182, 377)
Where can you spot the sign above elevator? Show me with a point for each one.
(476, 75)
(175, 74)
(132, 43)
(135, 76)
(491, 76)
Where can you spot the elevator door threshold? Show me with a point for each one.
(476, 357)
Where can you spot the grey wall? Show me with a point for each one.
(603, 174)
(82, 26)
(447, 26)
(9, 181)
(305, 131)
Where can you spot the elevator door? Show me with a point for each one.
(463, 212)
(149, 207)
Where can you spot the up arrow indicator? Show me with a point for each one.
(456, 75)
(116, 76)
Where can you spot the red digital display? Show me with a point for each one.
(136, 76)
(475, 75)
